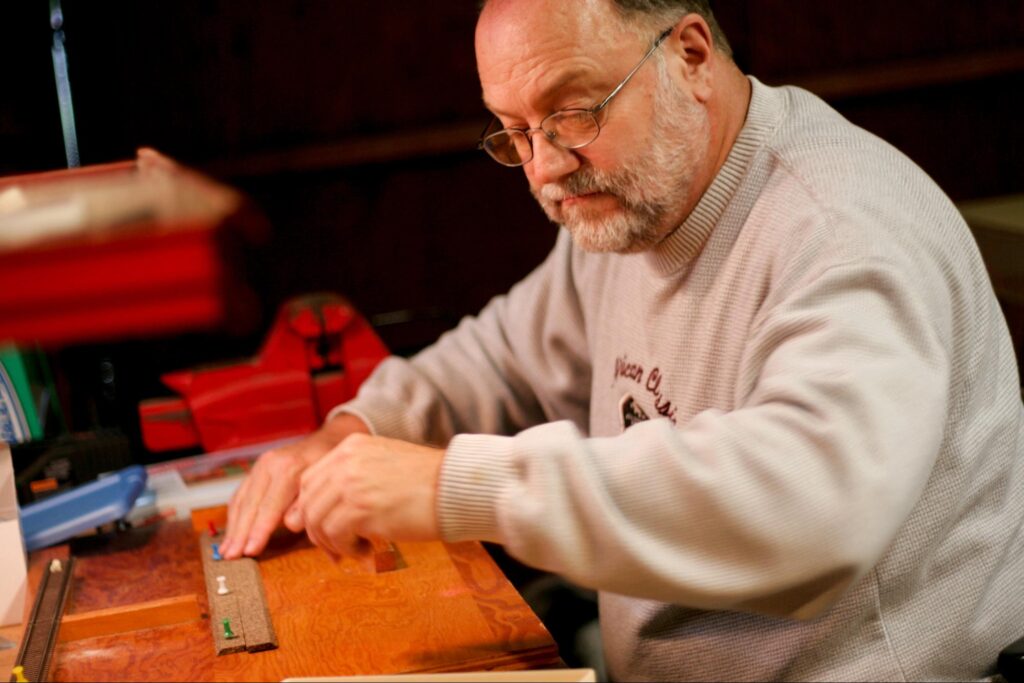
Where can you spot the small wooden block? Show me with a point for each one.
(143, 615)
(386, 557)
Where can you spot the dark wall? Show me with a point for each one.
(353, 124)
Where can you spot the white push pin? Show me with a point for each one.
(221, 588)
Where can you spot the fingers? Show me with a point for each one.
(241, 513)
(319, 496)
(293, 518)
(327, 545)
(368, 486)
(261, 501)
(334, 535)
(269, 493)
(279, 496)
(234, 505)
(322, 510)
(322, 542)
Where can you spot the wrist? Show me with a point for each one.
(343, 424)
(332, 433)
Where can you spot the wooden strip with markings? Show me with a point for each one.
(222, 606)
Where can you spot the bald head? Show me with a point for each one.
(527, 40)
(522, 20)
(661, 137)
(645, 16)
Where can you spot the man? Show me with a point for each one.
(760, 395)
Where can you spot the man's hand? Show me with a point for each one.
(260, 503)
(369, 486)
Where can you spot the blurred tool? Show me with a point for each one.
(45, 467)
(107, 500)
(136, 249)
(60, 75)
(316, 355)
(40, 637)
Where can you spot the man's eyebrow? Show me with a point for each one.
(548, 93)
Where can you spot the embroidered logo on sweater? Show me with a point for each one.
(631, 412)
(651, 382)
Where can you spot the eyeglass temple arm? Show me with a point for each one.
(660, 39)
(665, 34)
(480, 140)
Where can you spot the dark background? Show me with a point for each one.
(353, 124)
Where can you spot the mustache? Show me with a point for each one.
(579, 183)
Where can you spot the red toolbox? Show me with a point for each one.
(139, 248)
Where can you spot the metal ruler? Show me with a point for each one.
(44, 622)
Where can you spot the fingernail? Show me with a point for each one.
(250, 546)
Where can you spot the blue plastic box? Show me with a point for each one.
(65, 515)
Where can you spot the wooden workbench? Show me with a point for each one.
(448, 609)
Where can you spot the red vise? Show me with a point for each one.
(318, 352)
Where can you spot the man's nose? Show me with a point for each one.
(550, 162)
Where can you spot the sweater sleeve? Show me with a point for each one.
(773, 507)
(522, 361)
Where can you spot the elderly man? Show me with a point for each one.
(760, 395)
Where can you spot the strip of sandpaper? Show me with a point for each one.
(259, 631)
(244, 606)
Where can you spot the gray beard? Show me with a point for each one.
(650, 189)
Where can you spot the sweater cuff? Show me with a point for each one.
(382, 420)
(475, 470)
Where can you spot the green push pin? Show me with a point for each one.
(228, 633)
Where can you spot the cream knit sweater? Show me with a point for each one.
(831, 482)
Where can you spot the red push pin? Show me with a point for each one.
(213, 528)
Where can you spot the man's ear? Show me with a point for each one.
(692, 45)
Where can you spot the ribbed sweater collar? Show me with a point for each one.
(683, 245)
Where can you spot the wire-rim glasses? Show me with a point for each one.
(567, 128)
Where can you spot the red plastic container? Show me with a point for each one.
(140, 248)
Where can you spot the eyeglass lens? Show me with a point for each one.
(569, 129)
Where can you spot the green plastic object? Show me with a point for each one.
(19, 419)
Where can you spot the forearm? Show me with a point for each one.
(733, 512)
(464, 382)
(774, 505)
(520, 362)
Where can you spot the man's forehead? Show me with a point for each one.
(513, 23)
(561, 82)
(544, 45)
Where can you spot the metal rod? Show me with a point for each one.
(60, 75)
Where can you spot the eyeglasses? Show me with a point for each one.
(568, 128)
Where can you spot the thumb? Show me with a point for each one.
(293, 519)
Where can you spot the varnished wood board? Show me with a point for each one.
(537, 676)
(337, 619)
(143, 615)
(449, 608)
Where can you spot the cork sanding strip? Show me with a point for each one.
(244, 606)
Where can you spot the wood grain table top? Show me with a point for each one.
(447, 608)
